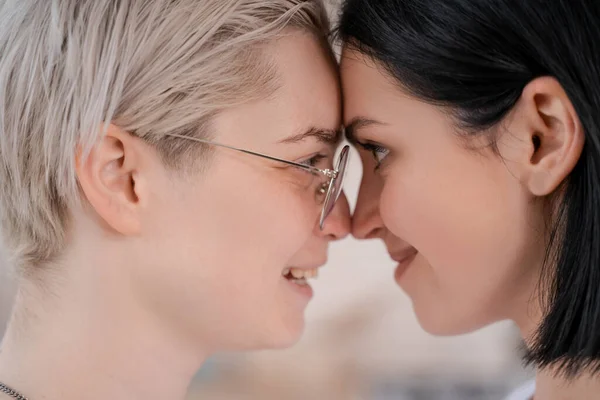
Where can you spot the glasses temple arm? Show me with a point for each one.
(305, 167)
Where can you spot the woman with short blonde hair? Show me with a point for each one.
(168, 186)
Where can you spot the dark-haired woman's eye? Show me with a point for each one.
(379, 153)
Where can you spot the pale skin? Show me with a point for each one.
(464, 223)
(164, 269)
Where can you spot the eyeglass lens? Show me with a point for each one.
(336, 186)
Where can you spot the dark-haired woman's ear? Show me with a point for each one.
(545, 137)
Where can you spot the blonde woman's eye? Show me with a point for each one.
(314, 160)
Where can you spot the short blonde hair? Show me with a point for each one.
(69, 67)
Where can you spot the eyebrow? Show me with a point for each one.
(356, 124)
(328, 136)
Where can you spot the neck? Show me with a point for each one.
(552, 387)
(84, 341)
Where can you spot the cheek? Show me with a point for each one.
(246, 236)
(469, 219)
(449, 208)
(235, 215)
(223, 246)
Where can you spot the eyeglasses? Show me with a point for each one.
(332, 188)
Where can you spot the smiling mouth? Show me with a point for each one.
(300, 276)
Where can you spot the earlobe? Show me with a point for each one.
(555, 135)
(107, 177)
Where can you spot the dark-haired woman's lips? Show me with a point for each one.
(404, 258)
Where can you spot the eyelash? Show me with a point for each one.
(314, 160)
(375, 150)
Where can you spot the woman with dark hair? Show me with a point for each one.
(478, 127)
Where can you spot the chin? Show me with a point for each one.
(270, 337)
(447, 324)
(288, 335)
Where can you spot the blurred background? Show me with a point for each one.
(362, 342)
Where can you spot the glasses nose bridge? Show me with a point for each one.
(330, 173)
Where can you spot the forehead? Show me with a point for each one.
(305, 69)
(308, 92)
(367, 88)
(370, 93)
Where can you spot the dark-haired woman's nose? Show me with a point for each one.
(366, 221)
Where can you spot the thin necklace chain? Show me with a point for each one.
(11, 392)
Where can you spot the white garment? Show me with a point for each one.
(525, 392)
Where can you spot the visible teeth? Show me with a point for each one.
(298, 273)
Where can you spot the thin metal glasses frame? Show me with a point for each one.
(331, 174)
